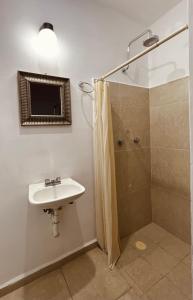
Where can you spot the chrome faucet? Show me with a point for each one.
(52, 182)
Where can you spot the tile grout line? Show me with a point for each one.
(69, 290)
(152, 148)
(168, 103)
(125, 293)
(162, 276)
(167, 273)
(155, 283)
(177, 288)
(144, 293)
(169, 148)
(132, 280)
(180, 262)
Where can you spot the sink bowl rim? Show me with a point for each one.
(36, 187)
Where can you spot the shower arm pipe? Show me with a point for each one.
(139, 36)
(162, 41)
(136, 39)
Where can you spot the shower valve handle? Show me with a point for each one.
(136, 140)
(120, 142)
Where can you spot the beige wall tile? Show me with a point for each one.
(171, 211)
(116, 120)
(170, 166)
(171, 169)
(170, 125)
(173, 91)
(129, 105)
(130, 112)
(187, 260)
(132, 170)
(134, 211)
(135, 122)
(137, 93)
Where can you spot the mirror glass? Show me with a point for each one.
(45, 99)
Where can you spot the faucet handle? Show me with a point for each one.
(47, 181)
(58, 179)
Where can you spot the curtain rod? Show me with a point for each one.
(162, 41)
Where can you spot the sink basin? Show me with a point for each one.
(57, 195)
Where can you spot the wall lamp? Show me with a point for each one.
(47, 40)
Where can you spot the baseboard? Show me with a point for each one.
(28, 277)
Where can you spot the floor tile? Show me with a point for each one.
(140, 238)
(129, 296)
(133, 288)
(154, 232)
(143, 274)
(161, 270)
(181, 277)
(162, 261)
(51, 286)
(128, 254)
(110, 285)
(175, 246)
(165, 290)
(88, 277)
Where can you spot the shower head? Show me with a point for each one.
(153, 38)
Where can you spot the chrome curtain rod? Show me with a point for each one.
(162, 41)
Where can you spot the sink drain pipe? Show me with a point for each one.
(55, 222)
(54, 214)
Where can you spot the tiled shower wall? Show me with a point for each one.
(152, 187)
(130, 112)
(170, 157)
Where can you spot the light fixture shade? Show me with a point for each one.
(47, 25)
(47, 40)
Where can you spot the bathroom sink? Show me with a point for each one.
(56, 195)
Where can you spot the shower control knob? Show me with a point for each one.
(120, 142)
(136, 140)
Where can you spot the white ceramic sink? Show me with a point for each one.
(57, 195)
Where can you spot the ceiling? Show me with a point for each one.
(142, 11)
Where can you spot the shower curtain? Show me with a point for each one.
(105, 183)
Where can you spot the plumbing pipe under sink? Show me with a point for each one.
(55, 222)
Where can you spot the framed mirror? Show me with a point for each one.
(44, 99)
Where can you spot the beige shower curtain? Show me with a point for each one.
(105, 183)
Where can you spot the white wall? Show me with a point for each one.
(170, 61)
(92, 40)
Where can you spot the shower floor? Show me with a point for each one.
(155, 265)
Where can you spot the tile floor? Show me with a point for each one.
(161, 270)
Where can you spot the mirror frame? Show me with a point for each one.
(26, 118)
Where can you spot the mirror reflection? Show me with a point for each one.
(45, 99)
